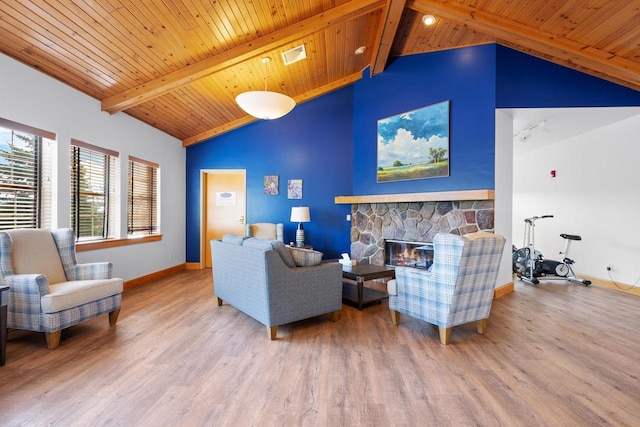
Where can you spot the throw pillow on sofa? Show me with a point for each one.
(305, 257)
(276, 245)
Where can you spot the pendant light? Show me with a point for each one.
(264, 104)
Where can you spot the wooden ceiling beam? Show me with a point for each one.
(335, 85)
(161, 85)
(562, 49)
(387, 33)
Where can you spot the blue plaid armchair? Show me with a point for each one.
(49, 291)
(457, 289)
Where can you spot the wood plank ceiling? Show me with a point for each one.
(179, 64)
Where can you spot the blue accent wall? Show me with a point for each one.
(524, 81)
(313, 143)
(330, 142)
(464, 76)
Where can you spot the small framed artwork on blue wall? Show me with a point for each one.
(294, 189)
(414, 144)
(271, 185)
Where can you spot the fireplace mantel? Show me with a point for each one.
(437, 196)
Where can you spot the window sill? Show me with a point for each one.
(112, 243)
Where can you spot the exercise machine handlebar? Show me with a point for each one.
(534, 218)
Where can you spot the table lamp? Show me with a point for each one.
(300, 214)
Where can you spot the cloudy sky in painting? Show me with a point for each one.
(407, 137)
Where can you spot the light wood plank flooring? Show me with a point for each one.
(555, 354)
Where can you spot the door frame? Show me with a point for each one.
(203, 207)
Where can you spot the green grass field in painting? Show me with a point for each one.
(414, 171)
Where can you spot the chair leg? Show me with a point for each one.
(445, 334)
(113, 317)
(482, 325)
(219, 302)
(272, 331)
(395, 317)
(335, 315)
(53, 339)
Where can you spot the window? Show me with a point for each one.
(25, 176)
(142, 212)
(93, 174)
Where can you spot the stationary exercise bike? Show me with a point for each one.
(529, 264)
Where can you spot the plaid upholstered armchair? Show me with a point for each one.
(49, 291)
(458, 288)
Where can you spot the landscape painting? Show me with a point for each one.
(415, 144)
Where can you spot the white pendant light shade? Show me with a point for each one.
(264, 104)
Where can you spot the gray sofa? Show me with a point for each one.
(259, 277)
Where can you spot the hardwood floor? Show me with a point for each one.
(553, 355)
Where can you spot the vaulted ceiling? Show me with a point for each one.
(179, 64)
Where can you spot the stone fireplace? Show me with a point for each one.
(373, 222)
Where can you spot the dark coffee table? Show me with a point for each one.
(358, 295)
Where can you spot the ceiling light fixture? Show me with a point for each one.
(525, 134)
(361, 50)
(428, 19)
(264, 104)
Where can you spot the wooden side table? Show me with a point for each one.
(4, 299)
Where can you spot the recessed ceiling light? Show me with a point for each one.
(428, 19)
(360, 50)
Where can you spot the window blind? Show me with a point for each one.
(25, 175)
(93, 172)
(142, 211)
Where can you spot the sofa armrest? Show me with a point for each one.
(317, 276)
(297, 293)
(90, 271)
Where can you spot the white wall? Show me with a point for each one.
(504, 191)
(595, 194)
(31, 98)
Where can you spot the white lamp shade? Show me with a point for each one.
(265, 104)
(300, 214)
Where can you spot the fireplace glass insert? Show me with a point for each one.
(400, 253)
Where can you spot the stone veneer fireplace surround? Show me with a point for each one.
(415, 217)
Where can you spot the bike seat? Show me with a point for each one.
(570, 237)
